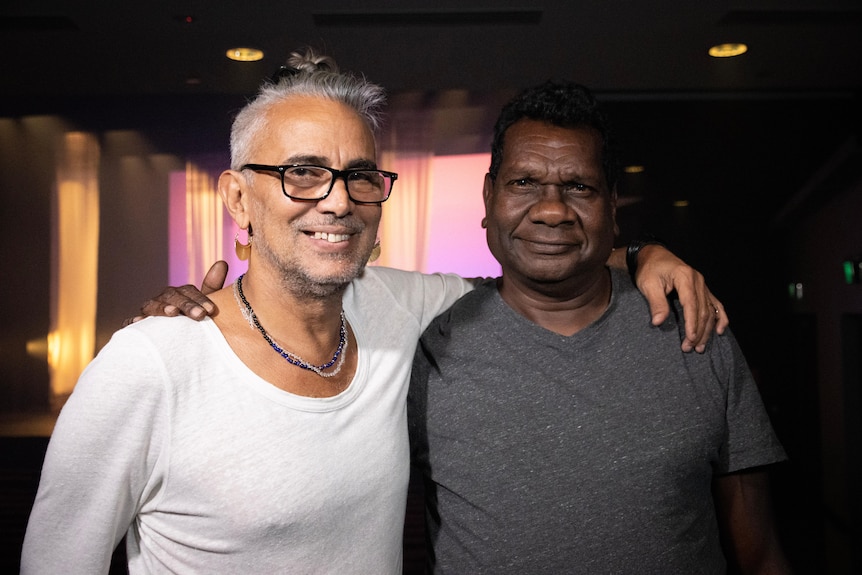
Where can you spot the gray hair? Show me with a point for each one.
(306, 74)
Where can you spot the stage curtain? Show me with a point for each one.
(404, 222)
(75, 259)
(204, 223)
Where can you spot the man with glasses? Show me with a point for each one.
(271, 437)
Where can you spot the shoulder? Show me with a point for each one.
(630, 306)
(484, 293)
(378, 275)
(627, 304)
(423, 296)
(166, 331)
(146, 351)
(624, 293)
(479, 307)
(163, 336)
(131, 379)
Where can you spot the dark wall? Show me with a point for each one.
(821, 240)
(141, 141)
(27, 152)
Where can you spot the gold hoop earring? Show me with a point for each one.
(375, 251)
(243, 251)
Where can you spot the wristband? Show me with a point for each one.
(634, 250)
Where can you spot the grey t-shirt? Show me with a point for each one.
(593, 453)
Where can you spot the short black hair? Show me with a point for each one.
(563, 104)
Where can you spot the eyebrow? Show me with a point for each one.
(358, 164)
(529, 171)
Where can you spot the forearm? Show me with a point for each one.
(617, 259)
(745, 515)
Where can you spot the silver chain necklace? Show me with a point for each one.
(293, 359)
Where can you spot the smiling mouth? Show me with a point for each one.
(549, 247)
(555, 243)
(331, 238)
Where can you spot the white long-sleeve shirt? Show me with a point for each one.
(170, 439)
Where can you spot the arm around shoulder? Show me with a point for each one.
(657, 272)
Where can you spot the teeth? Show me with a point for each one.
(331, 238)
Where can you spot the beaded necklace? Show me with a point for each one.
(337, 359)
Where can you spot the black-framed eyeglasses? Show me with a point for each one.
(311, 183)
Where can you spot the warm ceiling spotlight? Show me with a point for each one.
(680, 203)
(635, 169)
(728, 50)
(245, 54)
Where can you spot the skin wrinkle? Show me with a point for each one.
(282, 225)
(551, 223)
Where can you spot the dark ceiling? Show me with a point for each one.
(793, 98)
(749, 141)
(462, 59)
(656, 46)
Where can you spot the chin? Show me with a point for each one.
(325, 282)
(551, 273)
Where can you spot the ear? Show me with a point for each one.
(488, 193)
(614, 212)
(231, 188)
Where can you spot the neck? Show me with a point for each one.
(563, 307)
(306, 329)
(285, 312)
(335, 364)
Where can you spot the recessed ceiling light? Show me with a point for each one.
(635, 169)
(728, 50)
(245, 54)
(680, 203)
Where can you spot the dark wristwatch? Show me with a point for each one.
(634, 250)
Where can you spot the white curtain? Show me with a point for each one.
(407, 150)
(204, 222)
(404, 223)
(75, 251)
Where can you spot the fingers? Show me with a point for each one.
(214, 280)
(698, 311)
(659, 273)
(703, 318)
(703, 313)
(722, 319)
(186, 300)
(659, 307)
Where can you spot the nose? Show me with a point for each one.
(551, 208)
(338, 201)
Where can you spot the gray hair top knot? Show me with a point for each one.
(306, 73)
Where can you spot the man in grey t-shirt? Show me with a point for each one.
(542, 450)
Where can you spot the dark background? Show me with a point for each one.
(765, 148)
